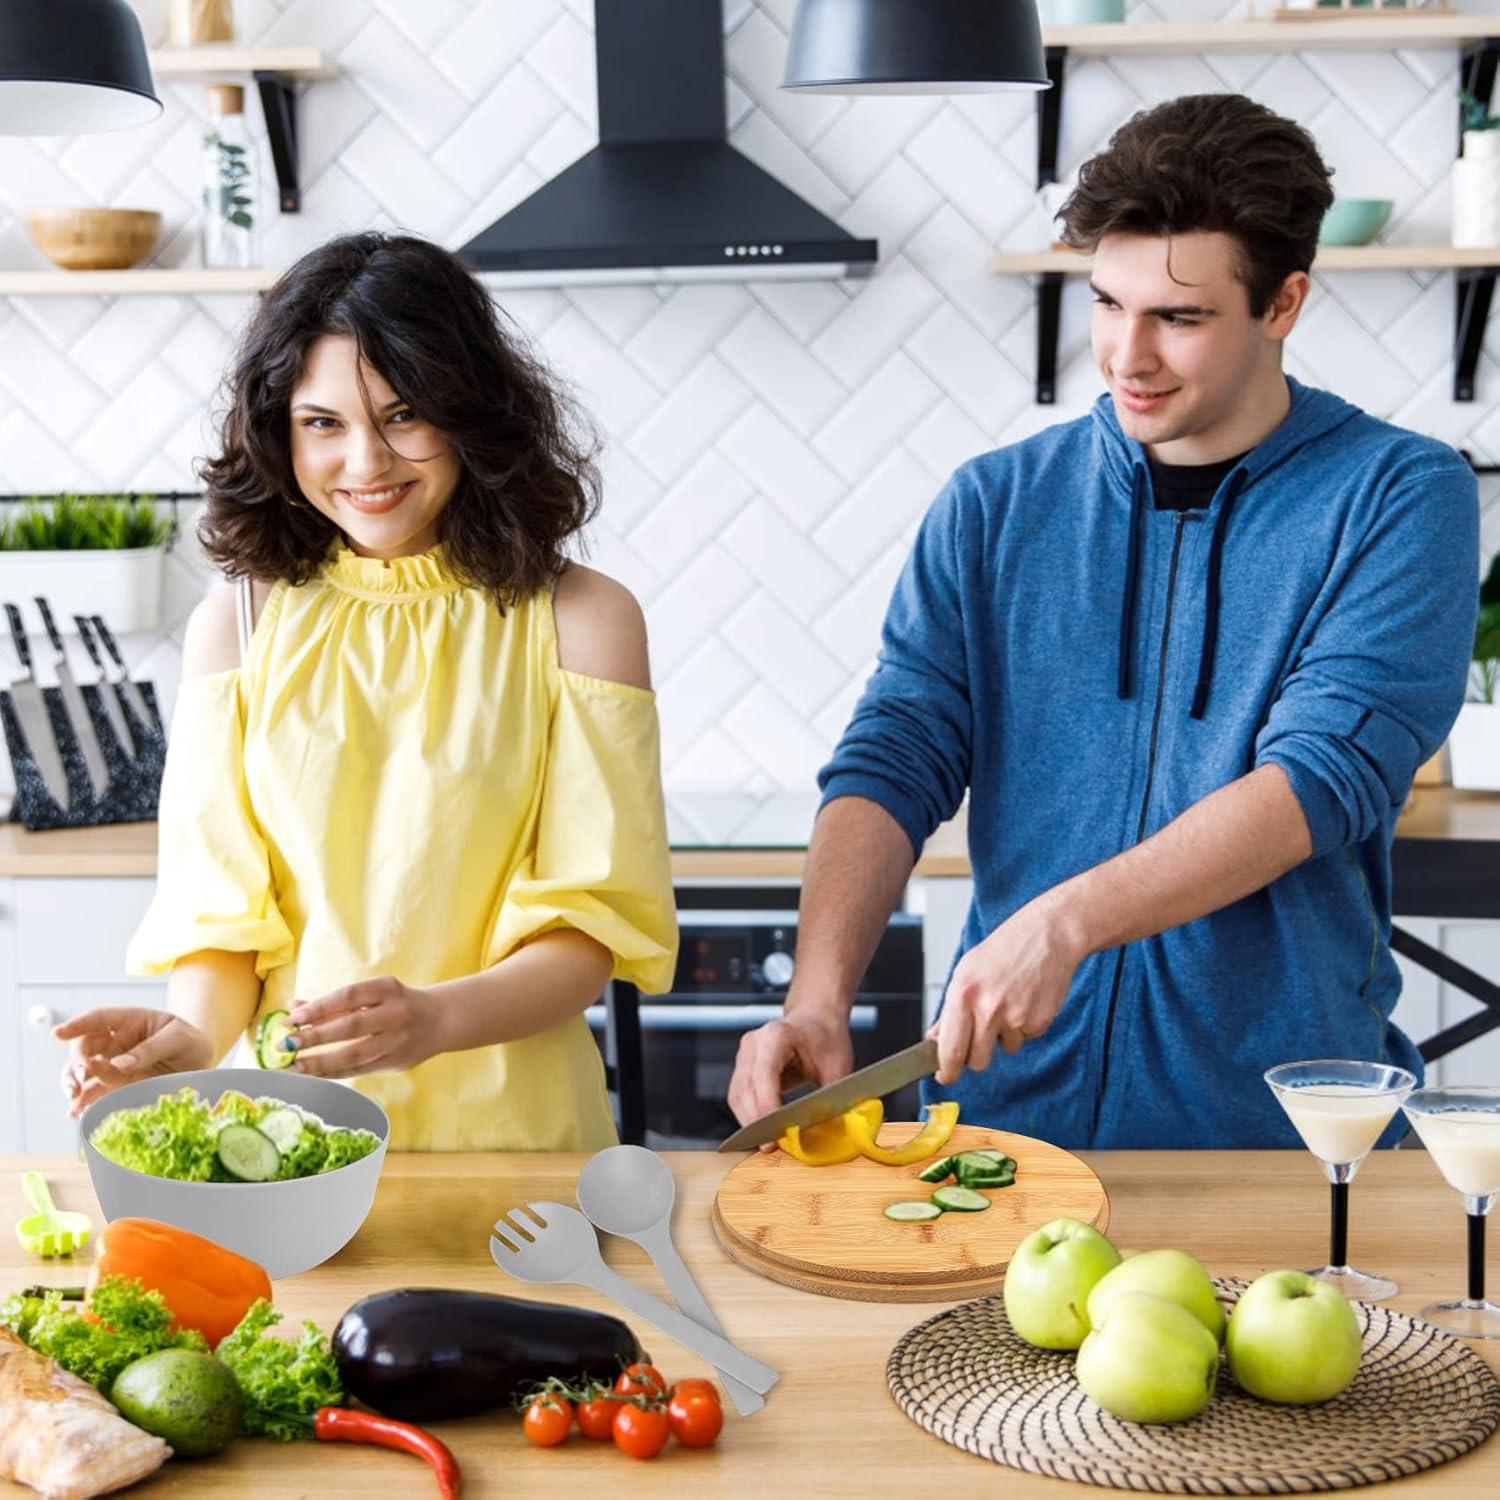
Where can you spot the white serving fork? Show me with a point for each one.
(550, 1242)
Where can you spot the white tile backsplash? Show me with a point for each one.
(769, 446)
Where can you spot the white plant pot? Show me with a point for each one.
(1476, 190)
(124, 586)
(1474, 747)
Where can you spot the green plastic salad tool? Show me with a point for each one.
(48, 1232)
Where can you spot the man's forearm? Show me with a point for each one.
(858, 863)
(1231, 843)
(218, 993)
(536, 988)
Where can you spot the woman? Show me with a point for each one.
(413, 794)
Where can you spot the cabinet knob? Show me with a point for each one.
(40, 1018)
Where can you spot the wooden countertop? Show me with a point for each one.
(830, 1428)
(129, 849)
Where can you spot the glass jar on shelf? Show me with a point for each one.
(228, 181)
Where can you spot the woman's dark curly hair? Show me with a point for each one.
(1214, 163)
(527, 481)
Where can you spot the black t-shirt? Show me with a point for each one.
(1188, 486)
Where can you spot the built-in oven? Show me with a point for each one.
(671, 1056)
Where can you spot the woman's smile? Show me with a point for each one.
(374, 502)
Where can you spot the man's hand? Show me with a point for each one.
(809, 1046)
(375, 1026)
(116, 1045)
(1007, 988)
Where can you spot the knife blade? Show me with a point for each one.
(74, 708)
(880, 1078)
(31, 714)
(133, 694)
(109, 693)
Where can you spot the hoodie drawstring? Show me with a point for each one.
(1210, 597)
(1211, 600)
(1132, 569)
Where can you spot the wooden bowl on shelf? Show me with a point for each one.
(94, 239)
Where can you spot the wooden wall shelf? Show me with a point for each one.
(223, 60)
(149, 281)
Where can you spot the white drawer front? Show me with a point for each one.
(76, 931)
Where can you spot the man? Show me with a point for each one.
(1185, 654)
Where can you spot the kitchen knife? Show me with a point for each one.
(881, 1078)
(31, 714)
(133, 694)
(108, 692)
(74, 708)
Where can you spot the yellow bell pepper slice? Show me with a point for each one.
(933, 1136)
(830, 1144)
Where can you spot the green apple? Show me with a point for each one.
(1172, 1274)
(1293, 1339)
(1149, 1360)
(1048, 1281)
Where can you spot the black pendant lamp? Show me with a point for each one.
(72, 67)
(915, 47)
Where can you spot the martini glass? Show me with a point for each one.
(1339, 1109)
(1461, 1129)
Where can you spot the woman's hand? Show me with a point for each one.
(373, 1026)
(116, 1045)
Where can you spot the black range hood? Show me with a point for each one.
(664, 193)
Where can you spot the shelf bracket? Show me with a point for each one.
(1050, 286)
(1048, 322)
(278, 102)
(1472, 292)
(1049, 117)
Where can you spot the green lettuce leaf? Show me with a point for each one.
(282, 1384)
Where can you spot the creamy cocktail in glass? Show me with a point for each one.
(1339, 1108)
(1461, 1129)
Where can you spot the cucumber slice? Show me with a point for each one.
(939, 1171)
(274, 1028)
(249, 1153)
(961, 1200)
(998, 1157)
(913, 1212)
(283, 1126)
(978, 1181)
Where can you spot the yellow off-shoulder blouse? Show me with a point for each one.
(400, 779)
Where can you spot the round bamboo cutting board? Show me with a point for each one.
(824, 1230)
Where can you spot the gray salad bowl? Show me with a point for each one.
(286, 1227)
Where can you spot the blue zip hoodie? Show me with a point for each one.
(1089, 667)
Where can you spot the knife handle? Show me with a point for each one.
(18, 635)
(86, 635)
(53, 634)
(109, 641)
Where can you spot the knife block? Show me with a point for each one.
(134, 785)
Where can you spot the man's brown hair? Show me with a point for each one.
(1215, 164)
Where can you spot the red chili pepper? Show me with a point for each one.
(340, 1424)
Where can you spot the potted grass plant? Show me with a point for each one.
(1474, 744)
(88, 554)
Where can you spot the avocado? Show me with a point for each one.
(191, 1400)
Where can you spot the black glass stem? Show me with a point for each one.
(1339, 1252)
(1476, 1257)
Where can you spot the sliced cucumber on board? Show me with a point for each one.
(913, 1212)
(960, 1200)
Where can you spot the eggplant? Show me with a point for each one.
(423, 1354)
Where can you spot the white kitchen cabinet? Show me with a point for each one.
(62, 951)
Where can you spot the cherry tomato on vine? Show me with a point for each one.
(642, 1431)
(695, 1421)
(693, 1386)
(640, 1380)
(596, 1418)
(548, 1420)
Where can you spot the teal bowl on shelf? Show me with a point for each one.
(1354, 221)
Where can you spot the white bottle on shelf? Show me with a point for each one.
(229, 205)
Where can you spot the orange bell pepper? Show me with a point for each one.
(933, 1136)
(206, 1286)
(829, 1144)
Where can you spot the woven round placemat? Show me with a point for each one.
(1421, 1398)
